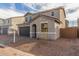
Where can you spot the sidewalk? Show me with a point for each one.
(8, 51)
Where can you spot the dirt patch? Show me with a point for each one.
(60, 47)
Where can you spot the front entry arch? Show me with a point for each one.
(34, 31)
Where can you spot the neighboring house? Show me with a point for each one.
(4, 26)
(45, 24)
(14, 21)
(24, 29)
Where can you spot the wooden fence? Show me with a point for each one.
(71, 32)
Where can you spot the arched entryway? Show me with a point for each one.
(34, 31)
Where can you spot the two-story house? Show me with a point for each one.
(45, 24)
(13, 22)
(4, 26)
(24, 28)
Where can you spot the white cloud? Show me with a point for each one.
(53, 5)
(6, 13)
(72, 5)
(70, 16)
(29, 5)
(13, 6)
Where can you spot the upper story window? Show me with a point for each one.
(25, 19)
(1, 22)
(52, 14)
(29, 18)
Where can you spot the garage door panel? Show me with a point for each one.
(5, 31)
(24, 31)
(0, 31)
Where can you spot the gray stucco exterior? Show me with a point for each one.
(52, 33)
(37, 19)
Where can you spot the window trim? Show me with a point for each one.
(44, 28)
(28, 18)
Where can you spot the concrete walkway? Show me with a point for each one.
(9, 51)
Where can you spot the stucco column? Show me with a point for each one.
(14, 34)
(30, 31)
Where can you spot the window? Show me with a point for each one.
(52, 13)
(1, 22)
(44, 27)
(29, 18)
(26, 19)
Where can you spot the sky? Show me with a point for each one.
(19, 9)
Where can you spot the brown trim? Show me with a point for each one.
(27, 14)
(57, 20)
(47, 11)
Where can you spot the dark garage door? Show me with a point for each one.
(0, 31)
(24, 31)
(5, 31)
